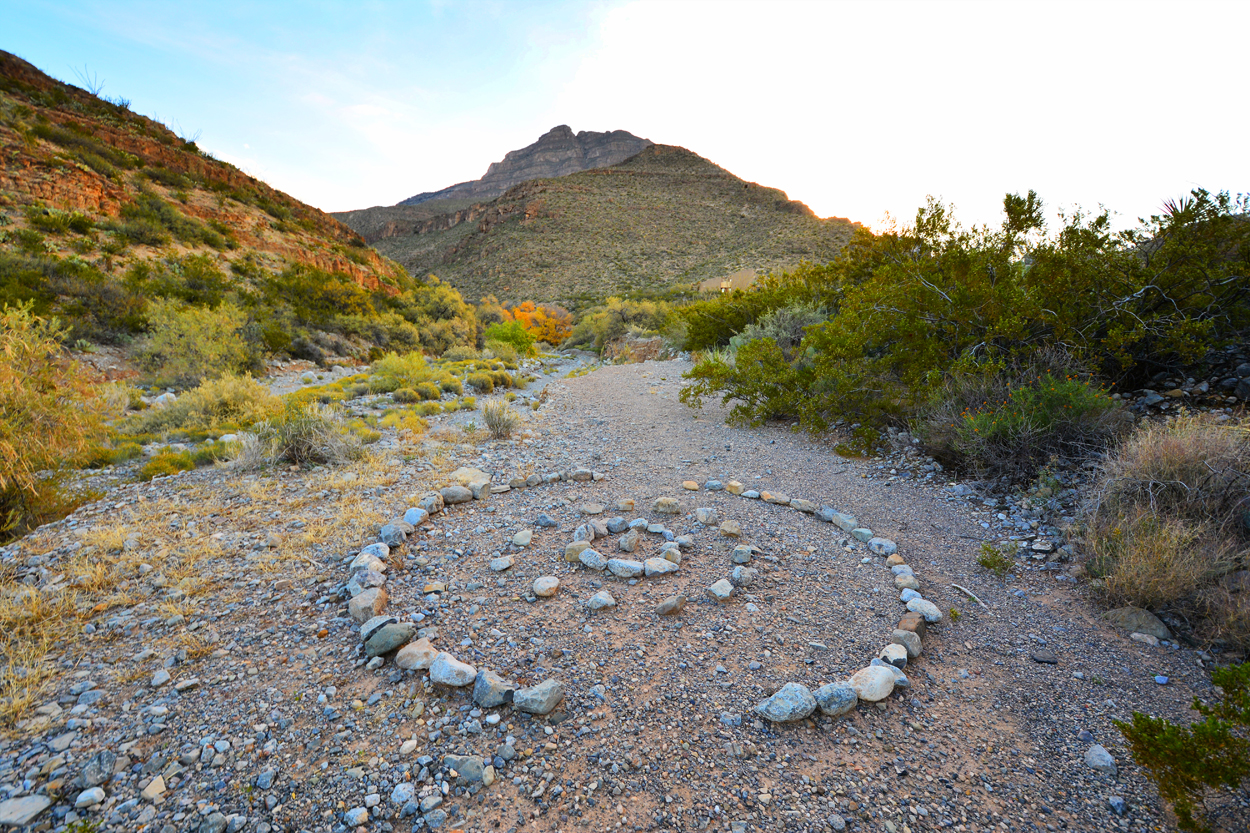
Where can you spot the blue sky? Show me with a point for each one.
(860, 109)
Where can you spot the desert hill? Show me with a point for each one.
(663, 217)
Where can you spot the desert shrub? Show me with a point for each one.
(49, 415)
(165, 464)
(56, 221)
(394, 371)
(429, 390)
(513, 333)
(786, 326)
(1169, 522)
(608, 322)
(236, 401)
(450, 384)
(500, 419)
(1184, 761)
(1011, 423)
(460, 353)
(406, 396)
(313, 434)
(483, 382)
(186, 344)
(995, 560)
(404, 420)
(501, 350)
(357, 390)
(429, 408)
(501, 378)
(100, 456)
(469, 403)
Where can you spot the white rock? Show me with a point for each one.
(546, 586)
(658, 566)
(447, 670)
(873, 683)
(601, 600)
(416, 656)
(624, 567)
(523, 538)
(89, 798)
(925, 608)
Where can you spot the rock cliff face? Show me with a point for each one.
(558, 152)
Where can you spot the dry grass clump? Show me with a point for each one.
(315, 434)
(500, 420)
(1170, 526)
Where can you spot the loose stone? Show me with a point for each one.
(453, 495)
(449, 671)
(416, 656)
(1100, 760)
(836, 699)
(906, 583)
(741, 554)
(502, 563)
(523, 538)
(490, 689)
(629, 541)
(539, 699)
(895, 654)
(734, 487)
(671, 606)
(862, 534)
(927, 609)
(666, 506)
(624, 568)
(873, 683)
(658, 566)
(882, 546)
(573, 551)
(690, 485)
(601, 601)
(705, 515)
(793, 701)
(721, 591)
(775, 498)
(804, 506)
(910, 641)
(546, 586)
(731, 529)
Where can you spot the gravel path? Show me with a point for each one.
(282, 723)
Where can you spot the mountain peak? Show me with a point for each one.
(558, 152)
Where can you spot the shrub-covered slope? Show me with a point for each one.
(103, 211)
(664, 217)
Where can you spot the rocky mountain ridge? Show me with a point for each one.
(558, 152)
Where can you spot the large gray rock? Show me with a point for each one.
(1099, 759)
(99, 769)
(658, 566)
(601, 601)
(836, 699)
(1137, 620)
(546, 586)
(417, 656)
(539, 699)
(882, 546)
(624, 568)
(873, 683)
(671, 606)
(468, 767)
(490, 689)
(390, 638)
(394, 535)
(792, 701)
(19, 812)
(592, 559)
(927, 609)
(720, 591)
(447, 670)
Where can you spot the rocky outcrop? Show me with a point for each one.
(558, 152)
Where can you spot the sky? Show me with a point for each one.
(859, 109)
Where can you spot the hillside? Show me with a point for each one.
(663, 217)
(103, 210)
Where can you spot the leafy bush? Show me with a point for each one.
(165, 464)
(301, 436)
(995, 560)
(501, 350)
(110, 455)
(1011, 423)
(460, 353)
(786, 326)
(511, 333)
(500, 419)
(393, 371)
(186, 344)
(1183, 761)
(613, 319)
(235, 401)
(450, 384)
(1169, 521)
(484, 382)
(56, 221)
(406, 396)
(49, 415)
(429, 390)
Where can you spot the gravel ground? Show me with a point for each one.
(272, 717)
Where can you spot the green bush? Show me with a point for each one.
(429, 390)
(501, 350)
(450, 384)
(406, 396)
(187, 344)
(313, 434)
(511, 333)
(501, 378)
(460, 353)
(165, 464)
(500, 419)
(1183, 761)
(393, 371)
(110, 455)
(483, 382)
(231, 400)
(613, 319)
(55, 221)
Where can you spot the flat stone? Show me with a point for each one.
(666, 506)
(585, 532)
(731, 529)
(449, 671)
(416, 656)
(1137, 620)
(501, 563)
(546, 586)
(1144, 638)
(159, 678)
(894, 560)
(393, 535)
(862, 534)
(523, 538)
(539, 699)
(658, 566)
(734, 487)
(836, 699)
(721, 591)
(593, 559)
(575, 549)
(1044, 656)
(19, 812)
(580, 475)
(671, 606)
(490, 689)
(416, 516)
(1100, 760)
(906, 582)
(872, 683)
(89, 798)
(625, 568)
(804, 506)
(390, 638)
(743, 576)
(690, 485)
(625, 505)
(375, 624)
(845, 522)
(895, 654)
(913, 622)
(705, 515)
(908, 594)
(882, 546)
(714, 486)
(601, 601)
(432, 503)
(592, 508)
(616, 525)
(155, 789)
(927, 609)
(367, 604)
(910, 640)
(466, 475)
(793, 701)
(453, 495)
(776, 498)
(468, 767)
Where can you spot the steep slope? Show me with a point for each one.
(665, 216)
(558, 152)
(103, 210)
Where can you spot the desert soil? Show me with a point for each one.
(270, 719)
